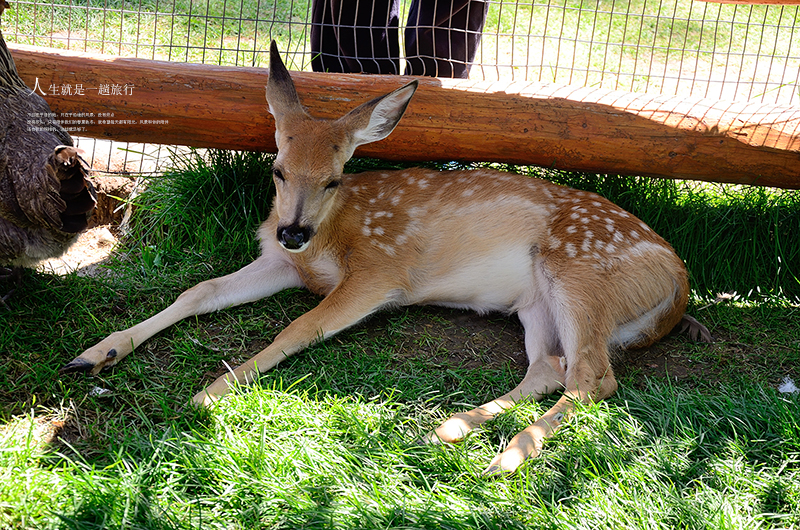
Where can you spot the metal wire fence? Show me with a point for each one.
(671, 47)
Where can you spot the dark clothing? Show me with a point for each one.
(355, 36)
(441, 39)
(441, 36)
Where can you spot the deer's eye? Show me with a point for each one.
(278, 175)
(332, 184)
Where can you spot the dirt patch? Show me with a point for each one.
(463, 339)
(664, 359)
(112, 193)
(95, 244)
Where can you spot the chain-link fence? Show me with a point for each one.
(672, 47)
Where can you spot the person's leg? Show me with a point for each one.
(442, 36)
(355, 36)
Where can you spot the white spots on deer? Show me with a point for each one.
(587, 228)
(388, 249)
(377, 223)
(587, 241)
(373, 230)
(416, 220)
(621, 213)
(397, 197)
(497, 178)
(417, 212)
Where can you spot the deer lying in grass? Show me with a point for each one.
(582, 274)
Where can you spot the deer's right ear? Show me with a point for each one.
(375, 119)
(281, 95)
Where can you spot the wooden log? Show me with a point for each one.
(520, 123)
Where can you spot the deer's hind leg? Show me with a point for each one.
(545, 375)
(588, 377)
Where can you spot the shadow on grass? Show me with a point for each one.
(133, 458)
(683, 453)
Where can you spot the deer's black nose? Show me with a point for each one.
(294, 237)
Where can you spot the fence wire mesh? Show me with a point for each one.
(671, 47)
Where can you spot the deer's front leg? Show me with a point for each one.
(349, 303)
(265, 276)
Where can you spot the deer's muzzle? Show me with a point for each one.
(294, 237)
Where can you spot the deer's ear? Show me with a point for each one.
(376, 119)
(281, 94)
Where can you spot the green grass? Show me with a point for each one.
(328, 439)
(227, 197)
(281, 456)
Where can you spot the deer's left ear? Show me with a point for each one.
(376, 119)
(281, 94)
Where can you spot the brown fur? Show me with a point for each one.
(583, 275)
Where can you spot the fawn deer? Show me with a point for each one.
(582, 274)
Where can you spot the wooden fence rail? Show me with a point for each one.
(550, 125)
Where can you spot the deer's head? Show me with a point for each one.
(312, 152)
